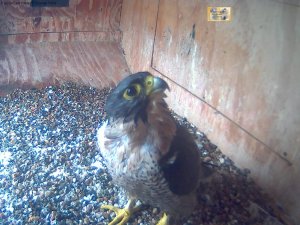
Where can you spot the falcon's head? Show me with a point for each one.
(131, 96)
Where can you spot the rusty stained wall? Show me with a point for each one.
(249, 54)
(94, 20)
(79, 43)
(238, 81)
(97, 64)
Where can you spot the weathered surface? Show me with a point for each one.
(241, 76)
(78, 43)
(236, 67)
(59, 37)
(17, 17)
(98, 64)
(138, 21)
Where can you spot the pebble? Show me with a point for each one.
(52, 172)
(222, 160)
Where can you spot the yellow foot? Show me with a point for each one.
(163, 220)
(122, 215)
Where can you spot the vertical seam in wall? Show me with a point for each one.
(155, 34)
(121, 33)
(211, 106)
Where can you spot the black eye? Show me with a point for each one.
(131, 91)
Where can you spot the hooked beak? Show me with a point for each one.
(159, 85)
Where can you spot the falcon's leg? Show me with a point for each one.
(122, 215)
(164, 220)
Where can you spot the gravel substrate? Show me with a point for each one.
(52, 173)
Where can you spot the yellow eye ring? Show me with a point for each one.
(132, 91)
(149, 84)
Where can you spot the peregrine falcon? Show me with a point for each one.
(147, 152)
